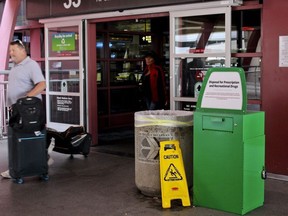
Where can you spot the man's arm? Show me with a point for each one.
(37, 89)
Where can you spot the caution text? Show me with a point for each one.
(171, 156)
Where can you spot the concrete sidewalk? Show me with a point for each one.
(104, 184)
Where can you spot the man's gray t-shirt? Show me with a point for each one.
(22, 78)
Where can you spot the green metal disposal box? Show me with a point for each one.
(229, 145)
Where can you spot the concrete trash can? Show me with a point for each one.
(152, 127)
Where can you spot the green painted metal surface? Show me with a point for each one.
(228, 154)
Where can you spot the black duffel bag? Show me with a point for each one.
(27, 115)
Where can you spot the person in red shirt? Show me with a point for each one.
(153, 81)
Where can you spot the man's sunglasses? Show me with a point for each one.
(18, 42)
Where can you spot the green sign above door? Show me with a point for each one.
(63, 42)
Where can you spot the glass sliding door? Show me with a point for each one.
(64, 75)
(200, 39)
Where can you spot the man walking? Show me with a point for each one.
(25, 78)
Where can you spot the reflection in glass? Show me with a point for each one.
(187, 106)
(246, 31)
(200, 34)
(101, 78)
(136, 25)
(252, 69)
(127, 46)
(125, 73)
(191, 72)
(64, 76)
(100, 45)
(118, 45)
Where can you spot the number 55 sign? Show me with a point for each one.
(71, 3)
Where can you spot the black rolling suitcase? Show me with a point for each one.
(72, 141)
(27, 155)
(27, 140)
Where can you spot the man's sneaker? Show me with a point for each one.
(6, 174)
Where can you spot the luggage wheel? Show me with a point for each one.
(18, 180)
(44, 177)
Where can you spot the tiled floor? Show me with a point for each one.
(104, 184)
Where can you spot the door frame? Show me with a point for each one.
(174, 98)
(61, 126)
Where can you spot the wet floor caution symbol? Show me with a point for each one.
(172, 174)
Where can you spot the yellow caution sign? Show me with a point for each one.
(172, 174)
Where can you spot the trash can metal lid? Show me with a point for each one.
(168, 118)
